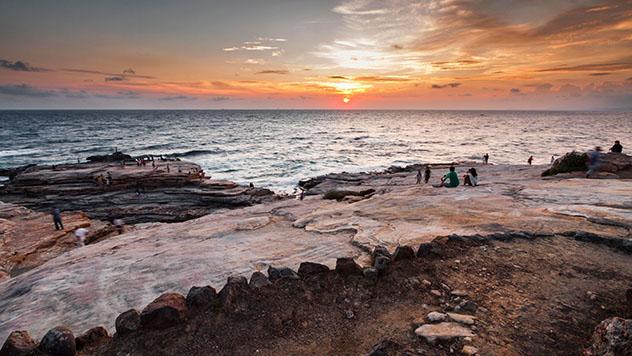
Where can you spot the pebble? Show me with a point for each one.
(436, 292)
(349, 314)
(469, 350)
(434, 317)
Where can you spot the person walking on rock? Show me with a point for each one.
(419, 176)
(594, 161)
(530, 160)
(486, 158)
(427, 174)
(57, 219)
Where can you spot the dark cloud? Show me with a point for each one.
(81, 94)
(396, 46)
(20, 66)
(390, 79)
(338, 77)
(274, 71)
(224, 85)
(599, 74)
(220, 98)
(625, 64)
(115, 78)
(514, 91)
(88, 71)
(449, 85)
(25, 90)
(177, 98)
(129, 71)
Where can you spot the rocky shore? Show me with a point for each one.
(526, 265)
(107, 188)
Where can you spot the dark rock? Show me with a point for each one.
(347, 266)
(403, 253)
(570, 162)
(380, 251)
(522, 235)
(628, 296)
(201, 297)
(127, 322)
(429, 249)
(114, 157)
(370, 273)
(456, 238)
(381, 262)
(58, 341)
(235, 286)
(92, 337)
(468, 306)
(587, 237)
(258, 280)
(612, 336)
(310, 268)
(276, 273)
(18, 343)
(165, 311)
(616, 163)
(341, 194)
(386, 348)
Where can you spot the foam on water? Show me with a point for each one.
(276, 149)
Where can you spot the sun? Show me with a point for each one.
(346, 100)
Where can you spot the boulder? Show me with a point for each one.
(311, 268)
(443, 331)
(276, 273)
(612, 337)
(258, 280)
(370, 273)
(18, 343)
(235, 286)
(165, 311)
(127, 322)
(616, 163)
(58, 341)
(114, 157)
(429, 249)
(403, 253)
(346, 266)
(381, 262)
(380, 251)
(468, 305)
(201, 297)
(91, 337)
(461, 318)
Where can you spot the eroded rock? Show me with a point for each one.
(311, 268)
(59, 341)
(403, 253)
(612, 337)
(235, 286)
(18, 343)
(166, 311)
(258, 280)
(127, 322)
(276, 273)
(346, 266)
(92, 337)
(201, 297)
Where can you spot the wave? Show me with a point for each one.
(193, 153)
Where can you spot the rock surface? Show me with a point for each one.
(616, 163)
(443, 331)
(172, 191)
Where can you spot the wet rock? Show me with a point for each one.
(92, 337)
(442, 331)
(276, 273)
(346, 266)
(167, 310)
(381, 263)
(235, 286)
(435, 317)
(127, 322)
(403, 253)
(58, 341)
(611, 337)
(385, 348)
(469, 350)
(462, 318)
(201, 297)
(258, 280)
(311, 268)
(18, 343)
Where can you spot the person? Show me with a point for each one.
(168, 168)
(119, 224)
(302, 195)
(80, 234)
(427, 174)
(530, 160)
(594, 161)
(419, 176)
(57, 219)
(616, 148)
(486, 158)
(450, 179)
(108, 178)
(471, 177)
(552, 159)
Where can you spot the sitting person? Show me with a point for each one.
(617, 147)
(471, 177)
(450, 180)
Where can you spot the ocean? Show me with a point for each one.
(277, 148)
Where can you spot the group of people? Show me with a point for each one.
(81, 233)
(102, 180)
(594, 158)
(450, 179)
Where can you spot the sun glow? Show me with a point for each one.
(346, 100)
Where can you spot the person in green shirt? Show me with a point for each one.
(451, 179)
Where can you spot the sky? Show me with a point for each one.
(316, 54)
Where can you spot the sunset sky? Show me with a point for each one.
(312, 54)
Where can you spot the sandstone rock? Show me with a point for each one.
(165, 311)
(381, 262)
(91, 337)
(201, 297)
(18, 343)
(436, 292)
(258, 280)
(59, 341)
(403, 253)
(462, 318)
(612, 337)
(442, 331)
(339, 195)
(276, 273)
(310, 268)
(127, 322)
(469, 350)
(235, 286)
(435, 317)
(347, 266)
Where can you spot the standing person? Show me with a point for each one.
(486, 158)
(57, 219)
(427, 174)
(80, 234)
(530, 160)
(168, 168)
(119, 225)
(616, 148)
(552, 159)
(419, 176)
(594, 161)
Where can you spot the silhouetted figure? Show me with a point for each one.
(594, 161)
(427, 174)
(486, 158)
(616, 148)
(57, 219)
(419, 176)
(552, 159)
(530, 160)
(251, 185)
